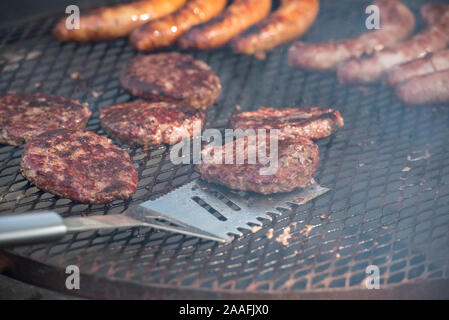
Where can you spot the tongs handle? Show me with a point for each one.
(28, 228)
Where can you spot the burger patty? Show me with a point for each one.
(26, 115)
(297, 162)
(79, 165)
(171, 77)
(146, 123)
(313, 122)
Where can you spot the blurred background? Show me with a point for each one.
(11, 11)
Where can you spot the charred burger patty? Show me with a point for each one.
(79, 165)
(171, 77)
(297, 162)
(24, 116)
(313, 122)
(146, 123)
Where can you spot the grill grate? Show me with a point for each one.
(388, 170)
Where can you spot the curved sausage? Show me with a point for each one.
(433, 38)
(114, 22)
(433, 62)
(397, 22)
(238, 17)
(165, 31)
(290, 21)
(432, 12)
(426, 89)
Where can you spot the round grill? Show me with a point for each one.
(388, 170)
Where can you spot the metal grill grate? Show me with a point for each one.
(388, 170)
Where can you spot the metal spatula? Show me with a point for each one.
(195, 209)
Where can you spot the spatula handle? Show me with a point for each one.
(28, 228)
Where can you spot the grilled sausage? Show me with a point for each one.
(165, 31)
(433, 62)
(365, 70)
(426, 89)
(114, 22)
(291, 20)
(397, 21)
(238, 17)
(432, 12)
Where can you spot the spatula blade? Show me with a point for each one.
(214, 212)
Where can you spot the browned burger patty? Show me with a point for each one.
(313, 122)
(26, 115)
(146, 123)
(297, 161)
(171, 77)
(79, 165)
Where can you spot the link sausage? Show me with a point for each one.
(431, 13)
(290, 21)
(165, 31)
(433, 62)
(238, 17)
(114, 22)
(426, 89)
(365, 70)
(397, 23)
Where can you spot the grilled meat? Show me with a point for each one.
(24, 116)
(165, 31)
(398, 23)
(431, 13)
(433, 62)
(147, 124)
(365, 70)
(171, 77)
(236, 18)
(297, 161)
(315, 123)
(114, 22)
(426, 89)
(79, 165)
(291, 20)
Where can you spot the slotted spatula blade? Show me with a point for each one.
(196, 209)
(207, 210)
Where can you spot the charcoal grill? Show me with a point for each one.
(388, 170)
